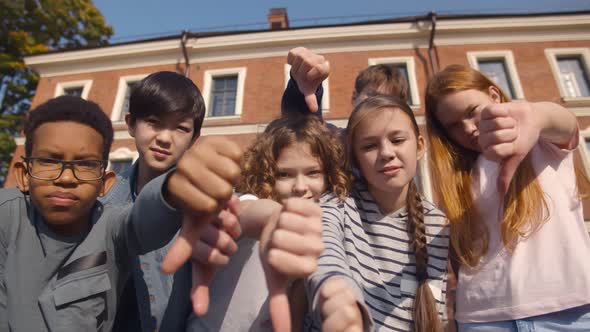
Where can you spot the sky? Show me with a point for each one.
(143, 19)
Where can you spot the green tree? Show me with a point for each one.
(34, 26)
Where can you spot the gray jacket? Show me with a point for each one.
(82, 294)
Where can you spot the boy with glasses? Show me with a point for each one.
(64, 258)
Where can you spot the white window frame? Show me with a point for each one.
(120, 96)
(411, 67)
(585, 156)
(325, 86)
(121, 154)
(425, 177)
(84, 84)
(584, 153)
(553, 53)
(209, 75)
(508, 58)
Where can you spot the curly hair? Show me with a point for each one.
(259, 164)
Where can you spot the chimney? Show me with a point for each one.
(277, 19)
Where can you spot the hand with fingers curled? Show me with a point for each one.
(309, 71)
(290, 245)
(213, 249)
(507, 132)
(202, 187)
(339, 308)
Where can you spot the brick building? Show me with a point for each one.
(243, 74)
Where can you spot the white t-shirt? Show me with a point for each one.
(549, 270)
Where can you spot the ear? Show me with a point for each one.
(421, 147)
(353, 100)
(495, 94)
(130, 124)
(108, 180)
(22, 178)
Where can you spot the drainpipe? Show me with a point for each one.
(183, 40)
(431, 52)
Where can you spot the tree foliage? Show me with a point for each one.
(34, 26)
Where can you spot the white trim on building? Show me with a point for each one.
(410, 64)
(553, 54)
(403, 35)
(584, 152)
(210, 75)
(120, 96)
(507, 57)
(61, 87)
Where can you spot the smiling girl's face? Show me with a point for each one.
(299, 173)
(387, 151)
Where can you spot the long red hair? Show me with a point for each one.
(525, 207)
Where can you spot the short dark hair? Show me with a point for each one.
(167, 92)
(69, 108)
(382, 79)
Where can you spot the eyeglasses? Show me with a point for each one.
(51, 169)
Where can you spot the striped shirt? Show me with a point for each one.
(372, 252)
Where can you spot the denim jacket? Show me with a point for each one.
(163, 300)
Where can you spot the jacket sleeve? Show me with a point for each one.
(150, 223)
(3, 294)
(11, 207)
(293, 101)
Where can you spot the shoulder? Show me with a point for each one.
(433, 215)
(119, 194)
(329, 198)
(11, 195)
(12, 209)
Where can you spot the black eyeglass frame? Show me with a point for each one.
(65, 163)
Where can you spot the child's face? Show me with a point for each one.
(161, 140)
(460, 112)
(299, 174)
(65, 203)
(387, 150)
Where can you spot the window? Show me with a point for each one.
(570, 67)
(121, 105)
(575, 78)
(407, 67)
(74, 88)
(223, 92)
(498, 66)
(121, 159)
(585, 149)
(76, 92)
(325, 87)
(223, 95)
(125, 106)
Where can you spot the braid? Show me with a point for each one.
(417, 229)
(425, 312)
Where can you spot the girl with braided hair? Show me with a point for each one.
(385, 262)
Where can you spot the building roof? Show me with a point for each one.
(406, 19)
